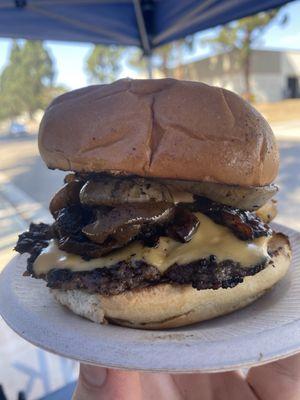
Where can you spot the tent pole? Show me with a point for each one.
(149, 66)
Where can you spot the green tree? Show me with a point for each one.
(26, 83)
(10, 101)
(104, 63)
(240, 37)
(164, 58)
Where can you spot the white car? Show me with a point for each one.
(17, 130)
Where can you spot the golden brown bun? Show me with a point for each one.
(160, 128)
(168, 306)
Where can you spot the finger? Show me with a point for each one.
(96, 383)
(231, 386)
(278, 380)
(225, 386)
(159, 386)
(192, 385)
(90, 382)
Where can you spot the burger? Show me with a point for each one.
(163, 220)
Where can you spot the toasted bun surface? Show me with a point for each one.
(154, 127)
(168, 306)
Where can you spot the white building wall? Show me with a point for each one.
(265, 87)
(268, 87)
(269, 78)
(232, 82)
(290, 63)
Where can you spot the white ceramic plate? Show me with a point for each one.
(267, 330)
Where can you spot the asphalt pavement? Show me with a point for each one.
(21, 163)
(25, 189)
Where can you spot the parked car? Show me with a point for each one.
(17, 130)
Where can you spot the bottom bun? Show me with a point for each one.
(170, 305)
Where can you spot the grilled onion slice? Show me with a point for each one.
(246, 198)
(109, 191)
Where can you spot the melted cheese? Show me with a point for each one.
(209, 239)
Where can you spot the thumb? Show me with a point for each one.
(97, 383)
(279, 380)
(91, 383)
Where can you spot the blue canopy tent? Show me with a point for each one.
(144, 23)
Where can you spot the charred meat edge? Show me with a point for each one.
(201, 274)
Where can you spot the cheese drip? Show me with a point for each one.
(209, 239)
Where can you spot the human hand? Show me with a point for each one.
(279, 380)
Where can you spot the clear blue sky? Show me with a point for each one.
(70, 57)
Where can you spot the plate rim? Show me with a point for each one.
(289, 346)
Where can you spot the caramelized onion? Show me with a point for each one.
(183, 226)
(70, 178)
(268, 211)
(124, 222)
(244, 224)
(67, 196)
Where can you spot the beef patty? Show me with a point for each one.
(201, 274)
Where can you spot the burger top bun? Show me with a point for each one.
(160, 128)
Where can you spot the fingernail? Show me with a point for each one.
(93, 376)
